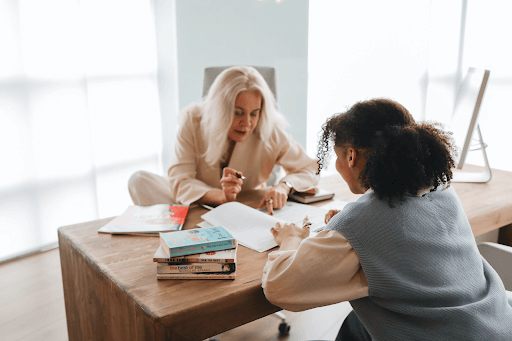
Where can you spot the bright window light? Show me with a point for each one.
(60, 132)
(362, 50)
(119, 37)
(15, 153)
(10, 59)
(65, 203)
(50, 32)
(79, 113)
(124, 115)
(17, 221)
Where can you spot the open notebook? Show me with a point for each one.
(251, 227)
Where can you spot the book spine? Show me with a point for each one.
(193, 260)
(194, 268)
(204, 247)
(195, 276)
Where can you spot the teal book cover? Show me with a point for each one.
(194, 241)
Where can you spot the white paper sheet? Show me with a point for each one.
(294, 212)
(334, 205)
(251, 227)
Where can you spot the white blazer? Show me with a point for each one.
(191, 177)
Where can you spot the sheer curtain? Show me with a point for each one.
(79, 113)
(415, 52)
(488, 45)
(364, 49)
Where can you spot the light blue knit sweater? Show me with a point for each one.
(427, 280)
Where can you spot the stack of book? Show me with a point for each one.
(204, 253)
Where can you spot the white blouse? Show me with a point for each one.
(323, 270)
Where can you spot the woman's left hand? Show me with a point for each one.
(275, 198)
(290, 234)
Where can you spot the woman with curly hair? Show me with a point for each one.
(233, 138)
(403, 254)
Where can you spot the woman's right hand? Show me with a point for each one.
(330, 214)
(231, 183)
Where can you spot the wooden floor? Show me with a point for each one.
(32, 308)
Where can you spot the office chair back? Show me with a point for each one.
(210, 73)
(500, 258)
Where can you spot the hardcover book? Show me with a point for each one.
(308, 198)
(194, 241)
(211, 275)
(222, 256)
(148, 220)
(166, 268)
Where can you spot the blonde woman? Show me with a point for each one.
(229, 143)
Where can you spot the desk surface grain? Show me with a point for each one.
(112, 279)
(488, 206)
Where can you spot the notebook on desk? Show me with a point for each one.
(308, 198)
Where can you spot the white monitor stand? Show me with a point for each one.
(483, 176)
(464, 123)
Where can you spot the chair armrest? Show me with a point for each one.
(500, 258)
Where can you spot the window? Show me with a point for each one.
(415, 53)
(79, 113)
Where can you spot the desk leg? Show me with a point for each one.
(505, 236)
(97, 310)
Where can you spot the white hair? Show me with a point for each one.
(219, 109)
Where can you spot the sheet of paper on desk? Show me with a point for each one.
(204, 224)
(251, 227)
(334, 205)
(294, 212)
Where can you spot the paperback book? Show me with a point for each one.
(222, 256)
(170, 268)
(148, 220)
(207, 275)
(195, 241)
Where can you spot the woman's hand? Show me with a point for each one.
(275, 198)
(289, 236)
(330, 214)
(231, 183)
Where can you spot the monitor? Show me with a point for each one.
(466, 110)
(464, 123)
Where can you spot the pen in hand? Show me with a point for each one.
(306, 222)
(240, 176)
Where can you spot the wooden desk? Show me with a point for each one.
(488, 206)
(111, 291)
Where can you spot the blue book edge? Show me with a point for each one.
(227, 241)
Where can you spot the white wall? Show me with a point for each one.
(249, 32)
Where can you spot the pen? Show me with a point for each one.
(240, 176)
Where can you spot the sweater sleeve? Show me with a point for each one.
(323, 270)
(183, 171)
(299, 167)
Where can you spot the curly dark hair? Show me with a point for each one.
(403, 156)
